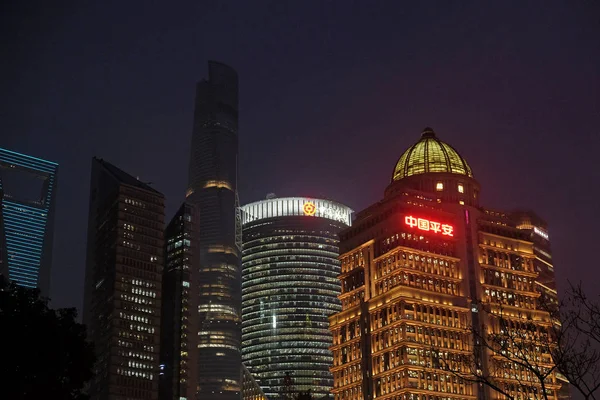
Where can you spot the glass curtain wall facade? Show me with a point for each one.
(212, 189)
(27, 197)
(122, 293)
(289, 289)
(178, 374)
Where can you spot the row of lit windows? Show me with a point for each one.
(269, 264)
(135, 336)
(347, 353)
(410, 280)
(129, 345)
(135, 203)
(132, 317)
(417, 242)
(301, 254)
(252, 273)
(135, 374)
(511, 299)
(436, 382)
(508, 281)
(418, 312)
(353, 300)
(291, 246)
(291, 287)
(346, 332)
(141, 328)
(289, 345)
(148, 293)
(510, 261)
(136, 299)
(348, 375)
(511, 370)
(427, 264)
(138, 282)
(134, 354)
(352, 261)
(283, 279)
(427, 336)
(439, 186)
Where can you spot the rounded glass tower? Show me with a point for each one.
(289, 289)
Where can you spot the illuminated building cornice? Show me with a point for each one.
(296, 206)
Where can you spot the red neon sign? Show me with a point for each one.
(427, 225)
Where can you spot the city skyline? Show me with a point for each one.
(523, 110)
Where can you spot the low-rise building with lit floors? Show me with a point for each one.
(289, 289)
(419, 270)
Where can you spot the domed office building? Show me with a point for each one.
(433, 166)
(289, 289)
(419, 268)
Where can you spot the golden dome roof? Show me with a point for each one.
(429, 155)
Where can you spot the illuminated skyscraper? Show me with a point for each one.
(27, 193)
(122, 293)
(212, 190)
(289, 289)
(179, 329)
(419, 268)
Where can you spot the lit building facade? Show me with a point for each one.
(289, 289)
(27, 196)
(179, 324)
(122, 293)
(250, 388)
(212, 190)
(416, 270)
(537, 231)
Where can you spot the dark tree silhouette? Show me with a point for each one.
(44, 352)
(517, 352)
(305, 395)
(529, 354)
(577, 355)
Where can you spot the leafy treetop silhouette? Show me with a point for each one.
(45, 353)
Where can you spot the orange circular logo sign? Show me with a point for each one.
(309, 208)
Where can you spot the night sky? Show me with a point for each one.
(331, 94)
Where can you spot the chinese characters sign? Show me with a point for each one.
(427, 225)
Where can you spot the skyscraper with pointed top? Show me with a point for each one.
(212, 189)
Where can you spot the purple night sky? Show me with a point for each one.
(332, 93)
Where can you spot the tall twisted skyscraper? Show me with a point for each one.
(212, 189)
